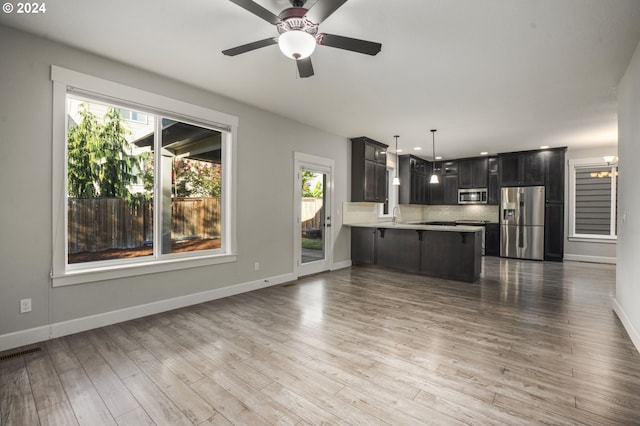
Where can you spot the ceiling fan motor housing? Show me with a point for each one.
(293, 19)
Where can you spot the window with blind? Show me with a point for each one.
(593, 200)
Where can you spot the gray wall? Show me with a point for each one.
(627, 299)
(582, 250)
(266, 143)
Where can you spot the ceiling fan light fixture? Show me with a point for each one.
(297, 44)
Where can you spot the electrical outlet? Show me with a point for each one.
(25, 305)
(256, 266)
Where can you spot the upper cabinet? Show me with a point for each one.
(522, 168)
(414, 180)
(472, 172)
(368, 170)
(493, 181)
(554, 175)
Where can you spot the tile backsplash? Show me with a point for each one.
(354, 213)
(467, 212)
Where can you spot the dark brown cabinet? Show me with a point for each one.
(554, 232)
(363, 246)
(368, 170)
(522, 168)
(554, 204)
(414, 180)
(554, 175)
(446, 190)
(472, 172)
(450, 189)
(492, 239)
(493, 181)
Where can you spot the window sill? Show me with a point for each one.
(123, 271)
(597, 240)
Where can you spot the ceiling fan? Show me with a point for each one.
(298, 32)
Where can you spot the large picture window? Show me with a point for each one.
(146, 183)
(593, 189)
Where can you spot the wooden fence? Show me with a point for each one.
(97, 224)
(312, 213)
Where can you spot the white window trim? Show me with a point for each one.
(64, 80)
(594, 238)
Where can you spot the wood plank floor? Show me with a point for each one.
(530, 343)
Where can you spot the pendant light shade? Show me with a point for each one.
(396, 180)
(434, 176)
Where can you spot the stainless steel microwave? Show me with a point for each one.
(472, 196)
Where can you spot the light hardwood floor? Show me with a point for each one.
(530, 343)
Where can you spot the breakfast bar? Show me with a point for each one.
(451, 252)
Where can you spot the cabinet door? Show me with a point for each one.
(492, 240)
(465, 173)
(493, 189)
(479, 173)
(532, 168)
(363, 246)
(370, 175)
(450, 189)
(554, 176)
(554, 232)
(524, 168)
(509, 170)
(436, 192)
(492, 165)
(380, 190)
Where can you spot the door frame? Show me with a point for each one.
(325, 165)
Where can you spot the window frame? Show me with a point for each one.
(574, 165)
(65, 81)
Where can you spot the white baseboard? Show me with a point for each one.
(624, 319)
(590, 259)
(24, 337)
(340, 265)
(39, 334)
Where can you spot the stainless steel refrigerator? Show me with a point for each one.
(522, 222)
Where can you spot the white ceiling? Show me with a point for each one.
(490, 75)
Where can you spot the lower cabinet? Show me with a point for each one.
(443, 254)
(554, 232)
(363, 246)
(398, 249)
(492, 239)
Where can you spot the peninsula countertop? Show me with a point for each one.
(416, 226)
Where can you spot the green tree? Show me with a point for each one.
(307, 191)
(99, 162)
(196, 178)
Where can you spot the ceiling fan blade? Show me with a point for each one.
(305, 69)
(348, 43)
(250, 46)
(323, 9)
(258, 10)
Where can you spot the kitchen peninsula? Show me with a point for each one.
(451, 252)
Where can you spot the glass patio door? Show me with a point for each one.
(313, 218)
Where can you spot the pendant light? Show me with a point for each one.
(396, 180)
(434, 176)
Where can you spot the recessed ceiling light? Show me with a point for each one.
(398, 150)
(438, 158)
(484, 153)
(417, 148)
(544, 147)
